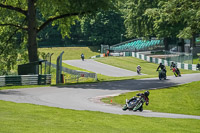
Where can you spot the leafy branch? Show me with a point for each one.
(14, 25)
(14, 9)
(60, 17)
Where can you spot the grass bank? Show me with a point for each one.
(21, 87)
(71, 53)
(130, 63)
(183, 99)
(28, 118)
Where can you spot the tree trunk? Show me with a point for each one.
(182, 45)
(166, 43)
(193, 45)
(32, 31)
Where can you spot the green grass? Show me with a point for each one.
(28, 118)
(20, 87)
(70, 53)
(130, 63)
(183, 99)
(18, 117)
(196, 60)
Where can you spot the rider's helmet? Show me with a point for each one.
(160, 63)
(138, 65)
(146, 93)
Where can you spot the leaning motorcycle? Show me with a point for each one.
(135, 104)
(176, 72)
(138, 70)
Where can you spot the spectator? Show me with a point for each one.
(108, 52)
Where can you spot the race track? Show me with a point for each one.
(100, 68)
(87, 96)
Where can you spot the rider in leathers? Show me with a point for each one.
(142, 95)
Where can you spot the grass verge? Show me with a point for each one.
(183, 99)
(28, 118)
(21, 87)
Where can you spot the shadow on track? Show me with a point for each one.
(125, 85)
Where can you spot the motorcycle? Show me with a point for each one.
(135, 104)
(176, 72)
(162, 74)
(82, 57)
(138, 70)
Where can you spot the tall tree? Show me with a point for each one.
(178, 18)
(22, 15)
(105, 28)
(137, 23)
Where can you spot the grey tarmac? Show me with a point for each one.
(87, 96)
(100, 68)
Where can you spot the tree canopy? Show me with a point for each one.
(29, 17)
(163, 18)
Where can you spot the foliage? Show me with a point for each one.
(10, 48)
(163, 19)
(176, 17)
(105, 28)
(29, 17)
(137, 23)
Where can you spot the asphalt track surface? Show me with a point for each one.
(87, 96)
(100, 68)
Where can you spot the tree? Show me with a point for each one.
(23, 16)
(105, 28)
(178, 18)
(137, 23)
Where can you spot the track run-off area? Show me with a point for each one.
(87, 96)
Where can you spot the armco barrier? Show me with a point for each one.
(75, 72)
(10, 80)
(158, 60)
(165, 62)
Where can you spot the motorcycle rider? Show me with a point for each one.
(82, 57)
(173, 65)
(139, 69)
(145, 96)
(162, 67)
(142, 95)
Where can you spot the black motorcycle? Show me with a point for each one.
(135, 104)
(162, 74)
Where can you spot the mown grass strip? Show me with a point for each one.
(20, 87)
(183, 99)
(28, 118)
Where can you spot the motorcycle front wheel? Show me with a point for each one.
(125, 107)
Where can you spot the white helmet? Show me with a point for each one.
(138, 65)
